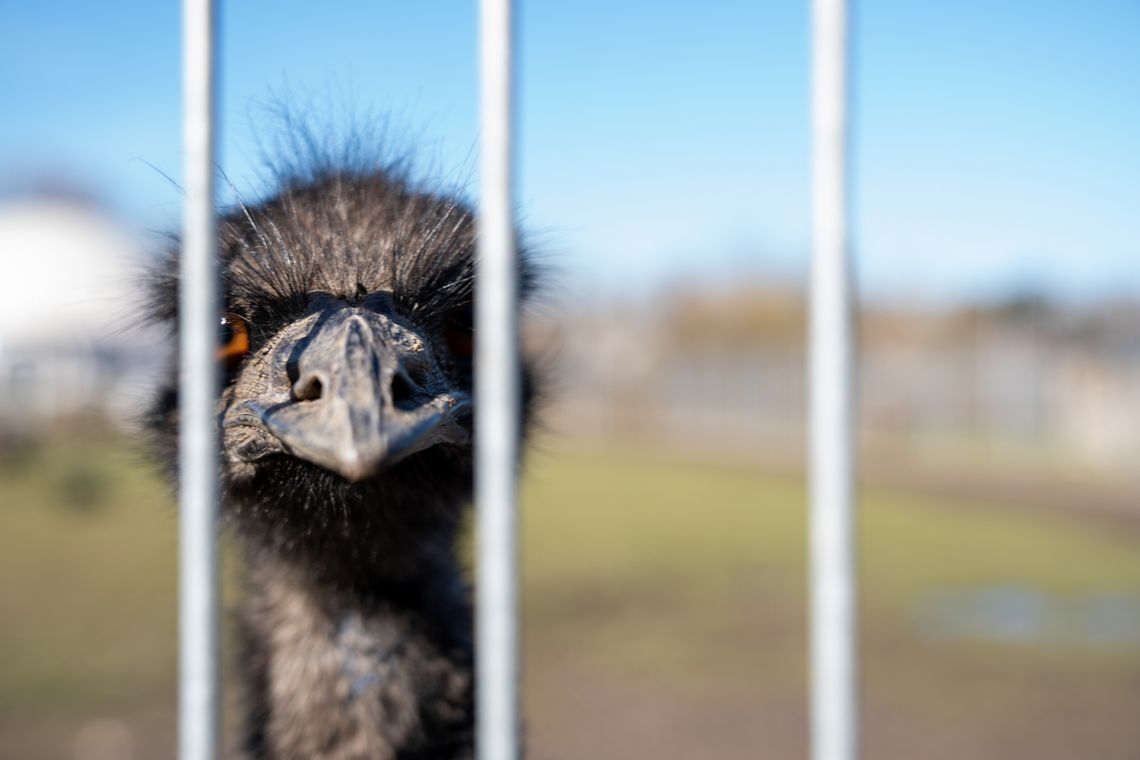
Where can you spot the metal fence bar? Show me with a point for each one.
(198, 477)
(497, 391)
(834, 622)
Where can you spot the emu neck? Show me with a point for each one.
(366, 549)
(355, 650)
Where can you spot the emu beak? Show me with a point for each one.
(355, 406)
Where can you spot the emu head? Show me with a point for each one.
(346, 340)
(354, 383)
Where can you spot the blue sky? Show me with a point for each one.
(997, 145)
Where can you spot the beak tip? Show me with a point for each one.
(354, 468)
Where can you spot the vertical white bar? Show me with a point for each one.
(497, 391)
(833, 616)
(198, 477)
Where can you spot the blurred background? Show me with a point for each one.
(664, 183)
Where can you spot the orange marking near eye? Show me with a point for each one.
(237, 344)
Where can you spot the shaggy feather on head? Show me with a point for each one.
(347, 420)
(336, 258)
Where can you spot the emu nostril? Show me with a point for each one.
(403, 392)
(308, 388)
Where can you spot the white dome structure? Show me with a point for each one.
(70, 337)
(66, 275)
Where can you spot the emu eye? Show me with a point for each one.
(233, 340)
(459, 333)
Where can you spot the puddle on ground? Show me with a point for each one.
(1026, 615)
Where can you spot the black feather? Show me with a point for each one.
(325, 556)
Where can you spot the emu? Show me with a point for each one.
(347, 456)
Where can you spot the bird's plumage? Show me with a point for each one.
(356, 288)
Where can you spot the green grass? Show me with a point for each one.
(683, 576)
(636, 517)
(87, 553)
(645, 561)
